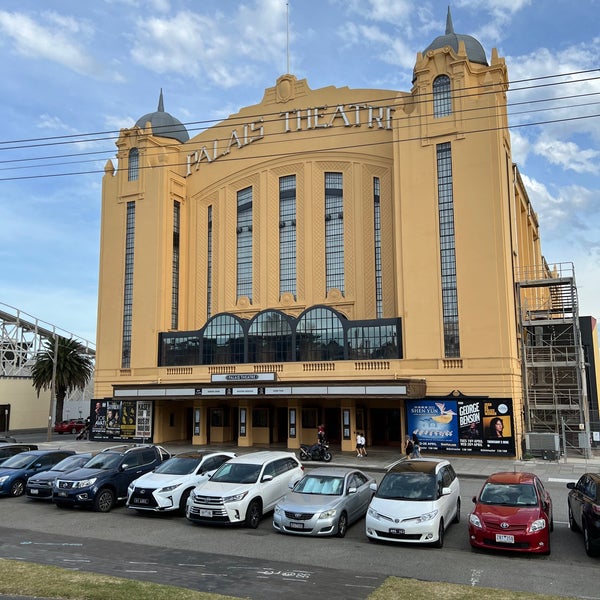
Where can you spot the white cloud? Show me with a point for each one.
(52, 37)
(567, 155)
(224, 50)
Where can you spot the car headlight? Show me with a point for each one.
(236, 497)
(328, 514)
(427, 516)
(278, 510)
(537, 525)
(3, 479)
(475, 521)
(85, 482)
(130, 488)
(169, 488)
(373, 513)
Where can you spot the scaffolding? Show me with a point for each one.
(554, 375)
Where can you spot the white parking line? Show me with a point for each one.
(561, 480)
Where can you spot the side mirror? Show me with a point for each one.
(474, 499)
(123, 467)
(446, 491)
(267, 478)
(373, 487)
(352, 490)
(571, 485)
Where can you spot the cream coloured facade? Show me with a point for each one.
(390, 223)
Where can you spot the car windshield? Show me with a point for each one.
(70, 462)
(18, 461)
(324, 484)
(104, 460)
(178, 466)
(407, 486)
(237, 473)
(514, 494)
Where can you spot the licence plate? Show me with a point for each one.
(505, 539)
(62, 494)
(206, 513)
(141, 500)
(33, 492)
(397, 531)
(296, 525)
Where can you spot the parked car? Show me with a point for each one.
(16, 470)
(72, 426)
(244, 488)
(39, 486)
(103, 480)
(415, 502)
(9, 449)
(7, 438)
(326, 501)
(513, 511)
(167, 487)
(584, 510)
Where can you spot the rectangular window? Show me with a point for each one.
(447, 251)
(334, 231)
(244, 243)
(175, 273)
(377, 240)
(209, 255)
(287, 235)
(134, 162)
(128, 287)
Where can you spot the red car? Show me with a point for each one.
(72, 426)
(512, 512)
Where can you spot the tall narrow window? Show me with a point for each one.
(244, 243)
(128, 287)
(134, 163)
(377, 240)
(175, 273)
(334, 231)
(209, 265)
(447, 251)
(442, 101)
(287, 235)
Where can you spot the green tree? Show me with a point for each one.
(73, 370)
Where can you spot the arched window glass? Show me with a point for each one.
(223, 341)
(270, 338)
(442, 102)
(134, 164)
(319, 335)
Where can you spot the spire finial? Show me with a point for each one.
(161, 106)
(449, 26)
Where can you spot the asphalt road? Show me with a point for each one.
(262, 564)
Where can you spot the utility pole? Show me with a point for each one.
(52, 390)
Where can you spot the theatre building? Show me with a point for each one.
(341, 256)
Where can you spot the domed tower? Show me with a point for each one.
(164, 124)
(148, 187)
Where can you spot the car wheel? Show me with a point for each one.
(253, 514)
(457, 515)
(342, 525)
(590, 548)
(104, 501)
(183, 501)
(439, 543)
(572, 525)
(17, 488)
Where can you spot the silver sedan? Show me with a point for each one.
(325, 502)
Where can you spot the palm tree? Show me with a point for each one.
(73, 370)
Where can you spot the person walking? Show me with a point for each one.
(360, 445)
(416, 452)
(408, 446)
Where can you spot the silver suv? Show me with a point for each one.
(244, 488)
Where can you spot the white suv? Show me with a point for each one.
(244, 488)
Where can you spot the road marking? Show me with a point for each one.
(135, 571)
(189, 565)
(85, 560)
(560, 480)
(48, 544)
(475, 576)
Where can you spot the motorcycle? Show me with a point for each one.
(319, 451)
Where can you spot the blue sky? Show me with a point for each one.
(70, 69)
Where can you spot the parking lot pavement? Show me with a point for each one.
(379, 459)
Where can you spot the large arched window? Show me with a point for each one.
(442, 101)
(223, 341)
(270, 338)
(134, 165)
(320, 335)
